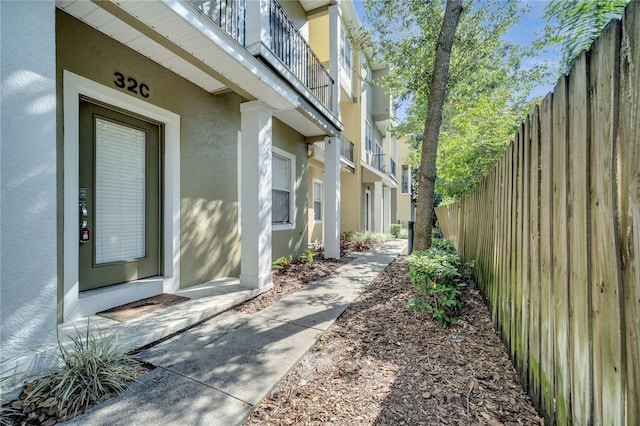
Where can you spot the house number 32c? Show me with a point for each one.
(131, 84)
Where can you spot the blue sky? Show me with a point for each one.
(530, 28)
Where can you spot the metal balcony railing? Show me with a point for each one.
(230, 15)
(293, 50)
(393, 167)
(346, 149)
(287, 44)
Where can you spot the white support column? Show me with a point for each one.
(255, 152)
(331, 226)
(386, 219)
(335, 30)
(377, 207)
(257, 27)
(387, 148)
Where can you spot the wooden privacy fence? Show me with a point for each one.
(555, 233)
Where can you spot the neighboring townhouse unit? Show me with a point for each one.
(368, 182)
(152, 146)
(405, 179)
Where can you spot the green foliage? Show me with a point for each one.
(372, 238)
(309, 255)
(91, 370)
(575, 24)
(487, 89)
(439, 276)
(395, 229)
(281, 263)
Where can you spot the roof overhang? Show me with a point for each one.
(178, 37)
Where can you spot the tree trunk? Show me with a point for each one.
(437, 90)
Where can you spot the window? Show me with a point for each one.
(282, 210)
(377, 156)
(317, 200)
(406, 180)
(368, 136)
(345, 51)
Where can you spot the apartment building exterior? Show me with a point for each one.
(149, 147)
(368, 178)
(405, 179)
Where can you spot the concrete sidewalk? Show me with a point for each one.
(218, 371)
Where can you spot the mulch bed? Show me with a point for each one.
(292, 279)
(385, 365)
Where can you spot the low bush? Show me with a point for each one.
(438, 274)
(281, 263)
(91, 370)
(395, 229)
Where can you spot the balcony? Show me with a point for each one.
(282, 46)
(346, 153)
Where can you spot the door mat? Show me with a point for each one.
(140, 307)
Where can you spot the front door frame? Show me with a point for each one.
(76, 305)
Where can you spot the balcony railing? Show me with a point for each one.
(230, 15)
(287, 44)
(293, 50)
(346, 149)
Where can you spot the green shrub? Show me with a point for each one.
(91, 370)
(309, 255)
(281, 263)
(395, 229)
(404, 233)
(439, 276)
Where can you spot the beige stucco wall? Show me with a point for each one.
(293, 242)
(403, 201)
(319, 35)
(350, 188)
(210, 243)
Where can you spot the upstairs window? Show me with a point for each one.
(368, 136)
(405, 180)
(345, 51)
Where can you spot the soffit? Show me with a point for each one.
(309, 5)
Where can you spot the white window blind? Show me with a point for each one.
(281, 189)
(317, 201)
(120, 192)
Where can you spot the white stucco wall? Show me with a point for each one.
(28, 277)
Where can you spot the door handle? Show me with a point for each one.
(84, 214)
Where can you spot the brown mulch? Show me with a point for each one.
(292, 279)
(381, 364)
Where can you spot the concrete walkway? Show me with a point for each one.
(217, 372)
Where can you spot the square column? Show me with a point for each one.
(335, 34)
(331, 228)
(377, 207)
(386, 216)
(257, 26)
(255, 195)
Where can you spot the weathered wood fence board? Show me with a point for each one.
(605, 280)
(560, 251)
(629, 201)
(534, 256)
(547, 341)
(555, 233)
(578, 230)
